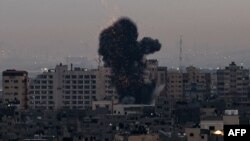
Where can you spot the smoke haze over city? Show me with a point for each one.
(42, 33)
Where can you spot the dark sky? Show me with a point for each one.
(44, 32)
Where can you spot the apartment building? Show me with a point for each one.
(190, 85)
(15, 84)
(69, 88)
(164, 106)
(196, 84)
(233, 83)
(175, 85)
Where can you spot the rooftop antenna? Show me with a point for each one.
(180, 53)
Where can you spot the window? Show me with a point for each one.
(86, 97)
(86, 76)
(165, 102)
(66, 102)
(211, 127)
(87, 102)
(67, 76)
(191, 134)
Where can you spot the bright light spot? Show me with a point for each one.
(219, 132)
(44, 69)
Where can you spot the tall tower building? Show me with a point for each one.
(233, 83)
(15, 84)
(175, 85)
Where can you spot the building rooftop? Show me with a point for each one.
(14, 73)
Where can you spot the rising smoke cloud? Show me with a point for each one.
(125, 55)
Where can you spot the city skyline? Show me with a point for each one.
(124, 70)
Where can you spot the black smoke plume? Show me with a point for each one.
(125, 56)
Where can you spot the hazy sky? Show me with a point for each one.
(44, 32)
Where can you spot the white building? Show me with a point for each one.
(74, 88)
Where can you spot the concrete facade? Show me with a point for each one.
(72, 89)
(233, 83)
(15, 84)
